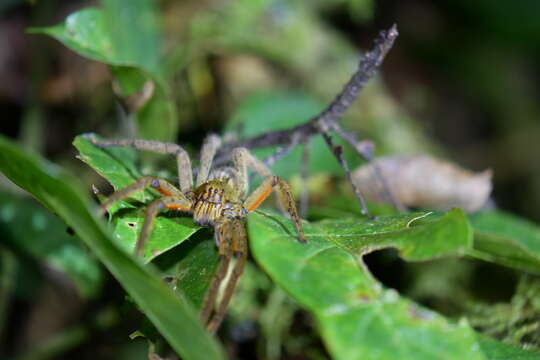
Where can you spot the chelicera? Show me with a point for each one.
(219, 199)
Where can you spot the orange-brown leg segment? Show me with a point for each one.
(164, 187)
(239, 248)
(286, 200)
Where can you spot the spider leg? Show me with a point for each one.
(242, 158)
(223, 240)
(285, 199)
(210, 146)
(185, 175)
(151, 213)
(239, 249)
(164, 187)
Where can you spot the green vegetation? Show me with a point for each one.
(324, 299)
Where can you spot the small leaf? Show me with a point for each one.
(176, 320)
(88, 33)
(108, 36)
(359, 319)
(506, 239)
(117, 165)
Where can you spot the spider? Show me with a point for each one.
(219, 199)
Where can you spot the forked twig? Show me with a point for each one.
(328, 121)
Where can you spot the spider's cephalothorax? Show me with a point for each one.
(219, 199)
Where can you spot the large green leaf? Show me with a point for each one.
(506, 239)
(29, 228)
(118, 166)
(359, 319)
(108, 35)
(176, 320)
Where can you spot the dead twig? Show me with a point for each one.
(328, 121)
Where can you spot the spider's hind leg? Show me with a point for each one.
(237, 235)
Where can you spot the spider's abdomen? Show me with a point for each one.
(215, 202)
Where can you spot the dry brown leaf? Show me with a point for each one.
(423, 181)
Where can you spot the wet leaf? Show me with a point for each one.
(176, 320)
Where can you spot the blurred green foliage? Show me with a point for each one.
(247, 67)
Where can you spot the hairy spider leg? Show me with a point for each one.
(208, 151)
(164, 187)
(242, 158)
(285, 199)
(224, 241)
(152, 210)
(239, 250)
(185, 174)
(173, 199)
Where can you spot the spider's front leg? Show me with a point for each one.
(185, 175)
(242, 160)
(173, 199)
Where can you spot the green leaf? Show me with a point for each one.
(118, 166)
(359, 319)
(176, 320)
(88, 32)
(191, 266)
(31, 229)
(109, 36)
(133, 29)
(267, 112)
(496, 350)
(506, 239)
(169, 231)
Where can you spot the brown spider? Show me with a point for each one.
(219, 199)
